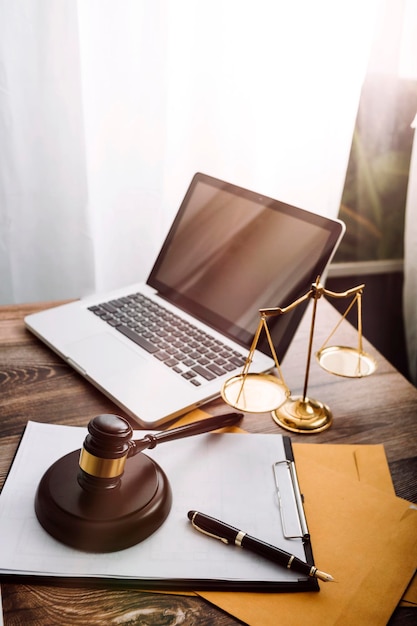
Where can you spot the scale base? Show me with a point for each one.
(303, 415)
(107, 520)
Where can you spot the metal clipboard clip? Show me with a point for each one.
(290, 502)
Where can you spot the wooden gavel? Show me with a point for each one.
(94, 500)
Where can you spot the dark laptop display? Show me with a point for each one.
(231, 252)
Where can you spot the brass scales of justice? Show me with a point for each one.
(265, 392)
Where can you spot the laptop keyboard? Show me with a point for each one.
(181, 346)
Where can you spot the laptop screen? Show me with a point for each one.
(231, 252)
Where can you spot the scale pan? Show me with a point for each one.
(345, 361)
(254, 393)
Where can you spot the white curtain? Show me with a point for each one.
(46, 243)
(410, 265)
(409, 70)
(108, 107)
(406, 15)
(394, 55)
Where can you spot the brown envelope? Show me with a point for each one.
(365, 463)
(198, 414)
(368, 463)
(410, 597)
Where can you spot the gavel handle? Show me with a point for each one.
(196, 428)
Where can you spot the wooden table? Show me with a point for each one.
(37, 385)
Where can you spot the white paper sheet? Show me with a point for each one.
(228, 476)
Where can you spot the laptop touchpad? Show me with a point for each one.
(104, 353)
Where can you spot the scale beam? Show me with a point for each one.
(260, 393)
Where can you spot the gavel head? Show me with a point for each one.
(104, 453)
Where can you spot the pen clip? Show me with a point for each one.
(205, 532)
(298, 501)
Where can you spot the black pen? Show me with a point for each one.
(230, 534)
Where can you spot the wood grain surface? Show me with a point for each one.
(35, 384)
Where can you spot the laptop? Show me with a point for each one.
(165, 346)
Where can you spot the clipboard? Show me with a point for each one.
(248, 481)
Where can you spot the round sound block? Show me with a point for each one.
(107, 520)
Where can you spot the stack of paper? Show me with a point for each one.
(217, 474)
(361, 533)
